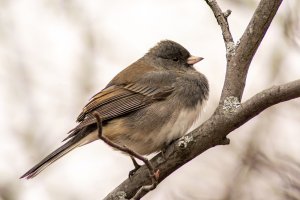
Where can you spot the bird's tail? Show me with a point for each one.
(55, 155)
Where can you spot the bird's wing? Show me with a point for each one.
(116, 101)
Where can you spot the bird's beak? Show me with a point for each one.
(193, 60)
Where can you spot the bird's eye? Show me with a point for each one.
(175, 59)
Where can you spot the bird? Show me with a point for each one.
(145, 107)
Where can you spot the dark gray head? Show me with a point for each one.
(170, 55)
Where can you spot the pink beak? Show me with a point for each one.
(193, 60)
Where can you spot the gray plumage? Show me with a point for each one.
(146, 106)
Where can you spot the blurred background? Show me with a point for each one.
(55, 54)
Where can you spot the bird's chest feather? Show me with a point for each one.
(144, 142)
(179, 125)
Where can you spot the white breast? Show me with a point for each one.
(184, 121)
(155, 141)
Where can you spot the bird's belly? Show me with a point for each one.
(146, 142)
(183, 122)
(174, 129)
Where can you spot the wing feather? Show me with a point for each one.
(116, 101)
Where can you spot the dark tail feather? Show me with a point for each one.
(58, 153)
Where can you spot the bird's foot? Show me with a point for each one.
(136, 167)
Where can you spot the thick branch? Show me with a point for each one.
(211, 133)
(238, 66)
(270, 97)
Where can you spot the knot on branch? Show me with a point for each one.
(230, 49)
(231, 104)
(227, 13)
(225, 141)
(184, 141)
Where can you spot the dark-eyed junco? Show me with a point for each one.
(145, 107)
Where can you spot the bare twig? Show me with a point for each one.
(222, 21)
(154, 175)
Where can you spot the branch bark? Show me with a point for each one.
(238, 66)
(211, 133)
(221, 18)
(230, 114)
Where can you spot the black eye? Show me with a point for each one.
(175, 59)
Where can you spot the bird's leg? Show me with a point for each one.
(154, 174)
(165, 147)
(136, 167)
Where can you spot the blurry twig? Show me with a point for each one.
(291, 24)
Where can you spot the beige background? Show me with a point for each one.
(54, 55)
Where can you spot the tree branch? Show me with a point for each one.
(211, 133)
(222, 21)
(238, 66)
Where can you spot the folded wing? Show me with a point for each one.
(116, 101)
